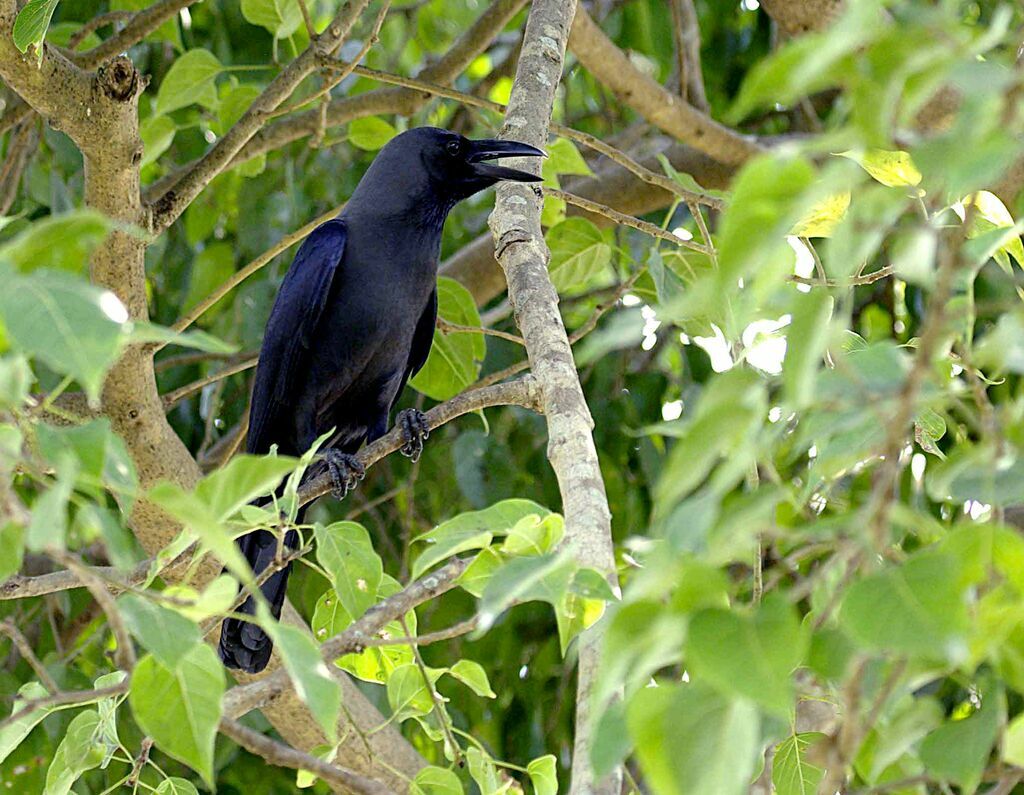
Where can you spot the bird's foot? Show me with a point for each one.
(414, 427)
(345, 470)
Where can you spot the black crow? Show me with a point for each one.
(353, 321)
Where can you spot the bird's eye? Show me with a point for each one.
(453, 147)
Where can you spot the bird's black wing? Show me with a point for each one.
(422, 338)
(293, 320)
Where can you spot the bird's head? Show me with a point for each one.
(433, 164)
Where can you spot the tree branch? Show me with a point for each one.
(516, 393)
(138, 27)
(402, 101)
(281, 755)
(240, 700)
(523, 255)
(660, 107)
(691, 76)
(169, 206)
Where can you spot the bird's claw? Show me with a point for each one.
(415, 429)
(345, 471)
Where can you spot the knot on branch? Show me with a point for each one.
(119, 79)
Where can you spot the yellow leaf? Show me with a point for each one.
(894, 169)
(823, 217)
(990, 213)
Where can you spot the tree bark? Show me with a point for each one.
(523, 255)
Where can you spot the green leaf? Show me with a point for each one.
(281, 17)
(73, 327)
(234, 102)
(197, 517)
(49, 524)
(176, 786)
(169, 636)
(476, 529)
(473, 675)
(543, 774)
(792, 774)
(196, 339)
(102, 457)
(484, 772)
(478, 573)
(689, 739)
(917, 608)
(314, 685)
(407, 693)
(894, 169)
(988, 214)
(541, 577)
(189, 80)
(13, 732)
(1013, 742)
(806, 340)
(436, 781)
(12, 549)
(579, 254)
(81, 749)
(767, 201)
(157, 133)
(214, 265)
(345, 550)
(31, 24)
(376, 663)
(750, 656)
(241, 481)
(62, 242)
(455, 357)
(958, 751)
(180, 709)
(563, 158)
(371, 133)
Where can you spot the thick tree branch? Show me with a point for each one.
(281, 755)
(354, 638)
(169, 206)
(660, 107)
(523, 255)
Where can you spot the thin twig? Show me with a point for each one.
(587, 140)
(447, 327)
(443, 717)
(124, 654)
(94, 24)
(24, 648)
(139, 26)
(171, 399)
(63, 699)
(625, 220)
(342, 72)
(454, 631)
(238, 277)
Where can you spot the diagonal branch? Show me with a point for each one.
(660, 107)
(355, 637)
(691, 76)
(141, 25)
(173, 203)
(281, 755)
(463, 52)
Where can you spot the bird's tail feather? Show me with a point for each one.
(243, 644)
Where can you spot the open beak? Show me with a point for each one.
(492, 149)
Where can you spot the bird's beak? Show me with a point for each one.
(491, 149)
